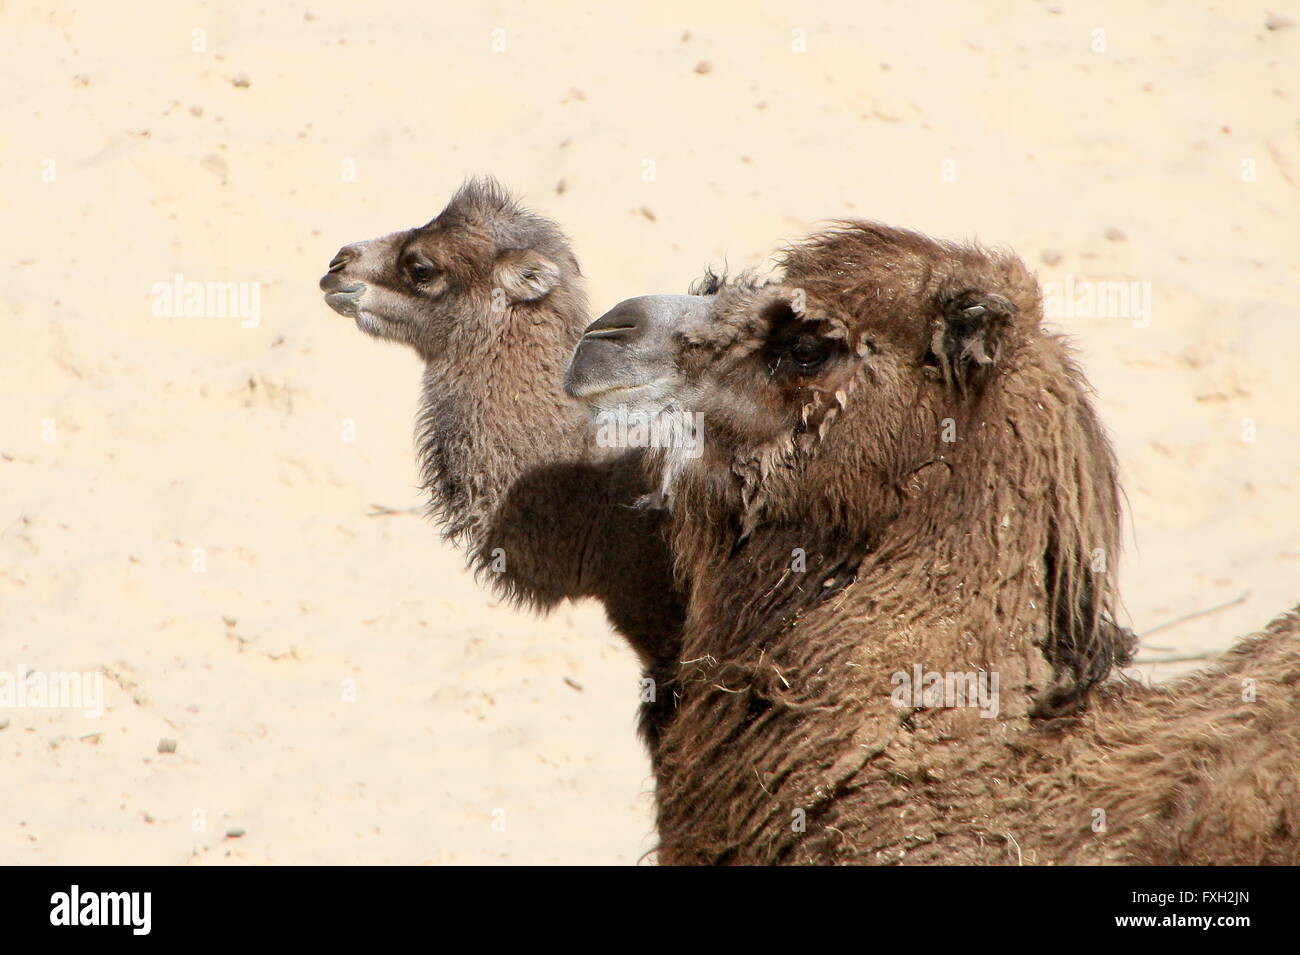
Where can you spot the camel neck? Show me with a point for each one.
(899, 598)
(486, 419)
(832, 717)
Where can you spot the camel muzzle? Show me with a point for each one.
(629, 346)
(342, 295)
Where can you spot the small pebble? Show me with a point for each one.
(234, 833)
(1050, 256)
(167, 746)
(1115, 234)
(1275, 21)
(704, 66)
(4, 723)
(241, 80)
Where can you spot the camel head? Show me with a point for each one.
(458, 281)
(885, 394)
(813, 386)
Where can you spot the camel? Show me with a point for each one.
(491, 298)
(901, 539)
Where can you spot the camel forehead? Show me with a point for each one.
(899, 310)
(869, 284)
(746, 318)
(461, 242)
(859, 280)
(471, 222)
(889, 282)
(452, 238)
(480, 229)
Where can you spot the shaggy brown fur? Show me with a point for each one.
(490, 296)
(902, 469)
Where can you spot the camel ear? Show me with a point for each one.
(525, 275)
(967, 336)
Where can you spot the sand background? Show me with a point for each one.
(132, 445)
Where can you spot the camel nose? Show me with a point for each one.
(337, 280)
(622, 323)
(635, 321)
(343, 257)
(632, 343)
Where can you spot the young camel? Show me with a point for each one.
(903, 476)
(491, 298)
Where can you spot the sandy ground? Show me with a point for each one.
(187, 502)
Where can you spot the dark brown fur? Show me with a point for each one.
(490, 296)
(994, 552)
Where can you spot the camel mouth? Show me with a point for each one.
(344, 299)
(600, 393)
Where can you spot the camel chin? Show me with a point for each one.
(374, 326)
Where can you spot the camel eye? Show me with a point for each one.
(420, 270)
(808, 351)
